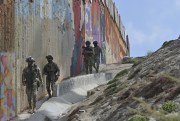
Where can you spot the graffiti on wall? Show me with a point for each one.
(88, 28)
(95, 13)
(79, 38)
(61, 11)
(7, 61)
(102, 35)
(114, 39)
(7, 84)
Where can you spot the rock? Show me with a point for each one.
(89, 93)
(82, 111)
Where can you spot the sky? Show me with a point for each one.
(149, 23)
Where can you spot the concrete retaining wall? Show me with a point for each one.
(81, 81)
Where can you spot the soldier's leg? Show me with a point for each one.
(52, 87)
(86, 66)
(97, 65)
(90, 66)
(34, 93)
(48, 88)
(29, 97)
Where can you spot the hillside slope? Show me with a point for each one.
(143, 89)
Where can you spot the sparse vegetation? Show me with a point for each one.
(134, 74)
(138, 118)
(149, 53)
(122, 73)
(113, 85)
(118, 76)
(158, 115)
(131, 60)
(169, 106)
(166, 43)
(171, 78)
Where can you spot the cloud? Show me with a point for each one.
(140, 36)
(177, 3)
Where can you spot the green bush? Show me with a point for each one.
(138, 118)
(122, 73)
(149, 53)
(131, 60)
(169, 106)
(118, 76)
(166, 43)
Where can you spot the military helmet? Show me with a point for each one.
(95, 42)
(49, 57)
(88, 42)
(30, 59)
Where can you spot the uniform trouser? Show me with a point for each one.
(88, 66)
(31, 95)
(50, 87)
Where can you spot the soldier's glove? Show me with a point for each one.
(56, 77)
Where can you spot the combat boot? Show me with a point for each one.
(34, 110)
(30, 110)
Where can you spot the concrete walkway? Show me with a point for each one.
(69, 92)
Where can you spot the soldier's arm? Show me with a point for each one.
(44, 72)
(58, 70)
(23, 78)
(39, 75)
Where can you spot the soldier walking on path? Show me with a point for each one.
(52, 72)
(97, 54)
(88, 57)
(31, 78)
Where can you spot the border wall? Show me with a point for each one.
(58, 27)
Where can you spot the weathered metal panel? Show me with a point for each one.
(79, 24)
(95, 22)
(56, 27)
(7, 84)
(115, 46)
(43, 27)
(7, 61)
(7, 25)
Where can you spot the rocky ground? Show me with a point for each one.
(142, 90)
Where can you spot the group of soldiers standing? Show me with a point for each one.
(32, 79)
(92, 56)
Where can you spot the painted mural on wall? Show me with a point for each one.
(62, 12)
(7, 61)
(102, 34)
(95, 21)
(88, 27)
(8, 88)
(57, 27)
(116, 46)
(77, 62)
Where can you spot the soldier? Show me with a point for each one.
(88, 57)
(31, 78)
(52, 72)
(97, 53)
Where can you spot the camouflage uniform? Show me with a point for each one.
(52, 72)
(31, 77)
(97, 53)
(88, 57)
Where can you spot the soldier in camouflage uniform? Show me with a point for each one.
(97, 54)
(31, 78)
(88, 57)
(52, 72)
